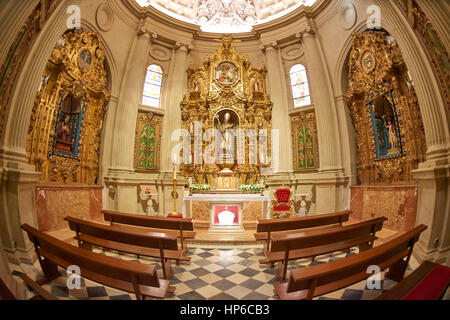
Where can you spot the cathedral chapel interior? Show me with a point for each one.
(224, 149)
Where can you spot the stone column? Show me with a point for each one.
(321, 93)
(17, 207)
(433, 211)
(433, 175)
(331, 184)
(128, 104)
(281, 121)
(14, 286)
(18, 178)
(177, 84)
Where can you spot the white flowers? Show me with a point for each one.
(200, 187)
(252, 187)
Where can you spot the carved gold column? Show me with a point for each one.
(277, 88)
(129, 100)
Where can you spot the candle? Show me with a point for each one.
(175, 173)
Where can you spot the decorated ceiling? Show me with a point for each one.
(234, 16)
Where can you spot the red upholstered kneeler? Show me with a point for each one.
(431, 286)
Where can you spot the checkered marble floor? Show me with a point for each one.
(213, 274)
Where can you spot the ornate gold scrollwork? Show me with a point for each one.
(377, 69)
(76, 69)
(227, 83)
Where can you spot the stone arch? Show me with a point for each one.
(27, 84)
(432, 103)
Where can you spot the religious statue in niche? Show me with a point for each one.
(68, 126)
(256, 86)
(227, 74)
(385, 126)
(226, 121)
(196, 86)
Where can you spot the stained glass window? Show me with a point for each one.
(300, 87)
(152, 86)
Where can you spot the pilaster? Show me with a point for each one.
(280, 113)
(127, 109)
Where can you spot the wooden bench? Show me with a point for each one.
(266, 227)
(428, 282)
(141, 243)
(312, 243)
(41, 293)
(138, 278)
(183, 227)
(321, 279)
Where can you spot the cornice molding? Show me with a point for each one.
(161, 17)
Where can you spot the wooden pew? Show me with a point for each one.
(41, 293)
(312, 243)
(266, 227)
(183, 227)
(141, 243)
(138, 278)
(321, 279)
(414, 287)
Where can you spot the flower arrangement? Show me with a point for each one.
(200, 187)
(148, 192)
(252, 187)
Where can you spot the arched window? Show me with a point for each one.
(152, 86)
(300, 87)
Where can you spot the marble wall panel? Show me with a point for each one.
(54, 203)
(201, 210)
(252, 210)
(397, 203)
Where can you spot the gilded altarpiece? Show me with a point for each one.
(305, 142)
(65, 128)
(226, 93)
(385, 111)
(148, 141)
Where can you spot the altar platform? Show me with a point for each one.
(226, 212)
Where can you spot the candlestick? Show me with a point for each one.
(175, 173)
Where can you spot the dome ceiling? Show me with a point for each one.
(226, 16)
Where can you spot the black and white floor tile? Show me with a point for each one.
(213, 274)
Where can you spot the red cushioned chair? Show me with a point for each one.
(283, 206)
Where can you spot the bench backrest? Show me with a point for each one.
(63, 254)
(150, 222)
(138, 238)
(331, 276)
(315, 238)
(273, 225)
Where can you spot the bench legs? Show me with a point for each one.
(167, 269)
(397, 271)
(282, 271)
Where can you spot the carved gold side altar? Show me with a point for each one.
(227, 94)
(385, 111)
(66, 123)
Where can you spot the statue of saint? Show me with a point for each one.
(392, 134)
(227, 143)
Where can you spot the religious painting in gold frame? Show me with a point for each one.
(305, 142)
